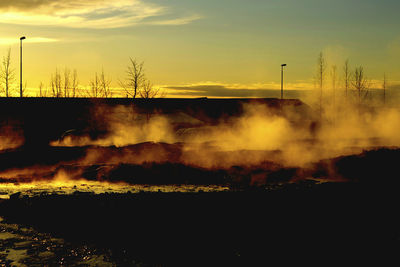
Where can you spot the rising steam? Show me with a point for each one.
(256, 144)
(259, 134)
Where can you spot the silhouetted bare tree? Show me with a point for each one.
(105, 85)
(42, 90)
(94, 87)
(7, 74)
(135, 78)
(23, 89)
(56, 84)
(65, 85)
(148, 90)
(334, 81)
(346, 76)
(74, 84)
(100, 86)
(360, 84)
(321, 73)
(384, 85)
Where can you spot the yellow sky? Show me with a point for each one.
(229, 44)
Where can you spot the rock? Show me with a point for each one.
(15, 195)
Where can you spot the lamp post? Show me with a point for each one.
(20, 72)
(283, 65)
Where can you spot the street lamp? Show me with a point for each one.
(20, 72)
(283, 65)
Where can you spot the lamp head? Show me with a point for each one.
(283, 65)
(22, 38)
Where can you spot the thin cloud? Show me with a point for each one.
(95, 14)
(11, 40)
(177, 21)
(209, 90)
(65, 7)
(302, 90)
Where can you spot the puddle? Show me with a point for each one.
(26, 247)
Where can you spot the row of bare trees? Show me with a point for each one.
(66, 84)
(100, 86)
(134, 85)
(354, 81)
(62, 84)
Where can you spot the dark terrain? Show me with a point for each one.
(271, 215)
(344, 223)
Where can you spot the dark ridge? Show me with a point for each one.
(378, 166)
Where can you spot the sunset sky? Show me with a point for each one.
(202, 48)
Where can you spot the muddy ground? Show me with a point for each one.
(342, 222)
(170, 214)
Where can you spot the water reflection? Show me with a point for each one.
(23, 246)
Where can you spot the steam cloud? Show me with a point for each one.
(258, 135)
